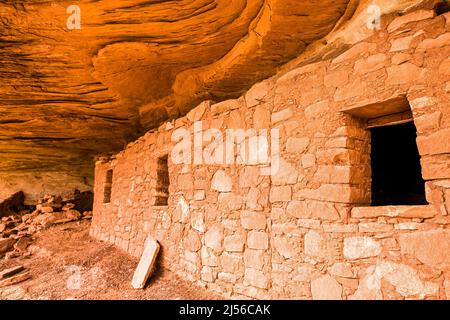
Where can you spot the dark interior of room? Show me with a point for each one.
(396, 170)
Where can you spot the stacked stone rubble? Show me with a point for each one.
(17, 229)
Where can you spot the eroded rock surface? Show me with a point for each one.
(66, 95)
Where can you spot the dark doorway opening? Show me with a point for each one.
(396, 171)
(108, 186)
(163, 182)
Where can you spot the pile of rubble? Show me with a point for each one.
(17, 229)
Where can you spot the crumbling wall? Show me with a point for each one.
(306, 232)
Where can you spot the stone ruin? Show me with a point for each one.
(321, 170)
(327, 225)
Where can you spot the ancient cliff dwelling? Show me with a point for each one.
(225, 149)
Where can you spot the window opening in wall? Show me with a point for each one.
(163, 182)
(108, 187)
(442, 7)
(396, 171)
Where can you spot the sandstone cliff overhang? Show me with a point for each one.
(66, 95)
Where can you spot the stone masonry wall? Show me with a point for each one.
(308, 231)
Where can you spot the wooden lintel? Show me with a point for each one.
(374, 108)
(391, 119)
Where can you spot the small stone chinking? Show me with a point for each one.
(17, 228)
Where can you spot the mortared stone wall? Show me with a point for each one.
(307, 232)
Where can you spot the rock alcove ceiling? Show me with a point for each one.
(67, 95)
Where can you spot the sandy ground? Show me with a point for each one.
(105, 272)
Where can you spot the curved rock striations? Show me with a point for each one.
(66, 95)
(281, 31)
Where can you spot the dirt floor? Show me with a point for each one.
(105, 272)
